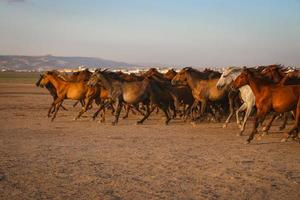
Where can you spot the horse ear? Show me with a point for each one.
(245, 69)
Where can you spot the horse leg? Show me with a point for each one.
(132, 110)
(136, 106)
(165, 110)
(102, 120)
(285, 118)
(268, 126)
(117, 113)
(190, 111)
(296, 125)
(57, 104)
(63, 107)
(99, 109)
(82, 102)
(75, 104)
(148, 112)
(260, 116)
(185, 111)
(84, 108)
(247, 114)
(127, 108)
(242, 108)
(202, 109)
(172, 107)
(228, 119)
(50, 109)
(157, 110)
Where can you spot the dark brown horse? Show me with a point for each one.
(146, 91)
(270, 96)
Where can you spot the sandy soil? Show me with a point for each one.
(68, 159)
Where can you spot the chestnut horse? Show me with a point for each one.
(67, 90)
(52, 92)
(270, 96)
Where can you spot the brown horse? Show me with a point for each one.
(146, 91)
(203, 88)
(52, 92)
(279, 75)
(291, 78)
(270, 96)
(67, 90)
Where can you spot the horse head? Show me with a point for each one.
(44, 79)
(274, 72)
(227, 77)
(39, 81)
(94, 79)
(180, 77)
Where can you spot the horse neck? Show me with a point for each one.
(255, 85)
(56, 82)
(191, 80)
(107, 82)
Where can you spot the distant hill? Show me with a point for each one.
(13, 62)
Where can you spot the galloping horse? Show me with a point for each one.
(146, 91)
(66, 90)
(270, 96)
(52, 92)
(226, 79)
(204, 90)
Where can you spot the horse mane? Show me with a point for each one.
(257, 75)
(58, 75)
(205, 75)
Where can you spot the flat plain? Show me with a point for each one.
(84, 159)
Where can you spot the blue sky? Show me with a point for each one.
(189, 32)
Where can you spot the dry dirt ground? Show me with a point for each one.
(68, 159)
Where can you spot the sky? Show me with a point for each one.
(188, 32)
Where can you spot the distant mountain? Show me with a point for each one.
(47, 62)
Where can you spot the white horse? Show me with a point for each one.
(227, 77)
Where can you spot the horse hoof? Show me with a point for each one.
(114, 123)
(139, 123)
(193, 124)
(281, 128)
(239, 134)
(247, 142)
(259, 137)
(224, 125)
(283, 140)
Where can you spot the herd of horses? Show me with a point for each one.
(189, 94)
